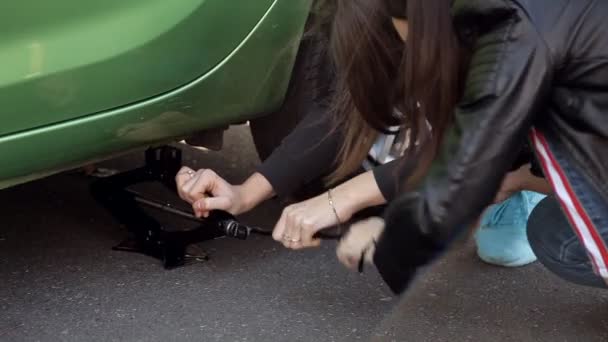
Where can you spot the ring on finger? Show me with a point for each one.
(188, 172)
(297, 239)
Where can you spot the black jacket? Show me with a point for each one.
(539, 64)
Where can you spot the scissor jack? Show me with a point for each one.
(146, 234)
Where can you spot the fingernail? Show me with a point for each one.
(352, 261)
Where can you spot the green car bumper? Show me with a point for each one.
(148, 107)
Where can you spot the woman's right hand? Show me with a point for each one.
(360, 242)
(205, 190)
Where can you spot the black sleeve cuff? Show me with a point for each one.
(275, 169)
(387, 179)
(403, 247)
(392, 177)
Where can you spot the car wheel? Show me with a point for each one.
(309, 85)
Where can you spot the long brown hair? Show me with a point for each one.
(377, 73)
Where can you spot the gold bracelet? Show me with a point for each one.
(330, 198)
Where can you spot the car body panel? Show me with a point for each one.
(250, 80)
(69, 59)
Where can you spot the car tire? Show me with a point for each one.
(310, 84)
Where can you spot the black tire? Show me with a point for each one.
(310, 85)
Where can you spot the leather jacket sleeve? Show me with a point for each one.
(508, 78)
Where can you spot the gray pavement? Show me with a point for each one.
(61, 282)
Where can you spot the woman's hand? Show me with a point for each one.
(512, 183)
(360, 242)
(206, 191)
(299, 222)
(521, 179)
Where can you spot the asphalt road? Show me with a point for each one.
(60, 281)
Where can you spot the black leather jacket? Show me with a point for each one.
(535, 63)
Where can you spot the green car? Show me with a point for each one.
(84, 81)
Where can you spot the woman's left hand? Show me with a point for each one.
(301, 221)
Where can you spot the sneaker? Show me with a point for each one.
(501, 238)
